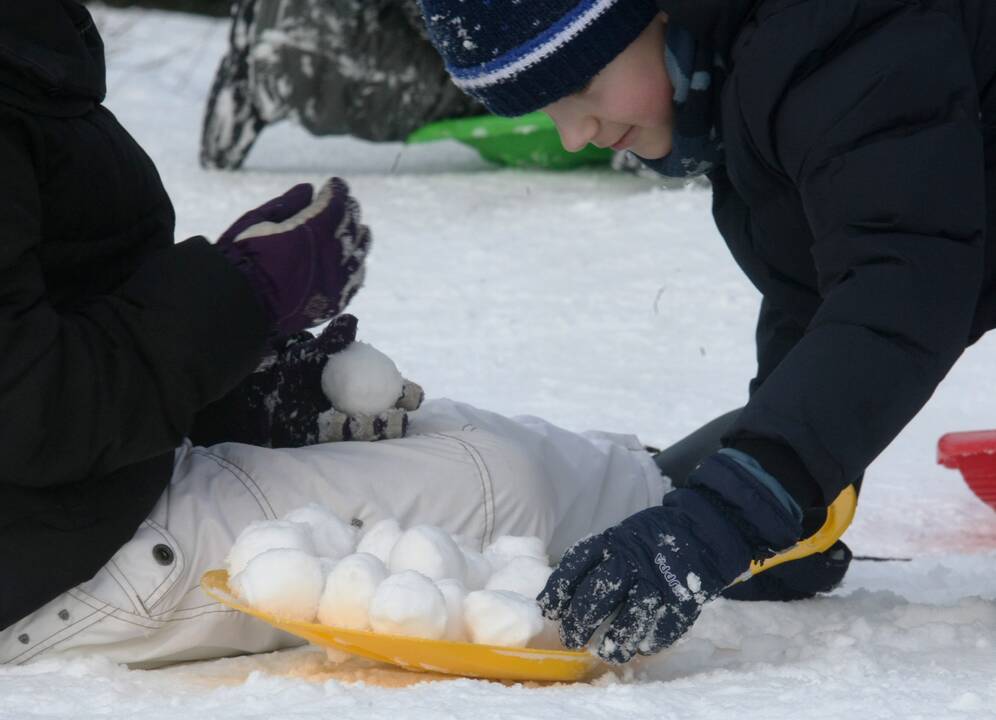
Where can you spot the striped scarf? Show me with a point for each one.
(696, 146)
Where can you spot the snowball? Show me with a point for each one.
(430, 551)
(361, 380)
(507, 547)
(258, 537)
(380, 539)
(284, 582)
(408, 604)
(311, 514)
(524, 575)
(333, 538)
(454, 594)
(348, 590)
(478, 570)
(500, 617)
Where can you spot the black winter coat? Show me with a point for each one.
(859, 196)
(111, 336)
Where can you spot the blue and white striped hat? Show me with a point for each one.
(517, 56)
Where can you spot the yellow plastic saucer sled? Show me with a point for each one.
(490, 661)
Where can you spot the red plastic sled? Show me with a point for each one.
(974, 454)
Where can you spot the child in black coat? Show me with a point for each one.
(851, 147)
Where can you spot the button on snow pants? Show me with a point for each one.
(469, 471)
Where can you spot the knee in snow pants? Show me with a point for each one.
(471, 472)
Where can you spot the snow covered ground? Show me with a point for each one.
(594, 300)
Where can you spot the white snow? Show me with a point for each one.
(478, 570)
(258, 537)
(595, 300)
(506, 547)
(454, 593)
(430, 551)
(284, 582)
(524, 575)
(349, 588)
(408, 603)
(361, 380)
(379, 540)
(333, 538)
(502, 617)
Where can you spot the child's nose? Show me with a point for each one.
(576, 130)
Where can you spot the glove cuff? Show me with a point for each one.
(766, 522)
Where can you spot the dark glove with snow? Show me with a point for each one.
(652, 573)
(282, 403)
(303, 254)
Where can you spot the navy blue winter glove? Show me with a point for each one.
(653, 572)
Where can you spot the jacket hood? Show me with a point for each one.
(715, 22)
(51, 57)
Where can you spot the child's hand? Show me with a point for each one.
(653, 572)
(282, 403)
(303, 253)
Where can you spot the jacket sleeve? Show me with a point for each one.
(118, 379)
(883, 143)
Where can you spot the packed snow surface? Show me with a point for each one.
(595, 300)
(361, 380)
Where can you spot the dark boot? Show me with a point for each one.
(796, 580)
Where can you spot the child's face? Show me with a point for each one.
(627, 106)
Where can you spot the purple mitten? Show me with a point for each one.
(303, 255)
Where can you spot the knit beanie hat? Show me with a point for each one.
(516, 56)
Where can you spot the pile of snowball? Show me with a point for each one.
(421, 582)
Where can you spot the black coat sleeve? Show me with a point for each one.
(880, 134)
(117, 380)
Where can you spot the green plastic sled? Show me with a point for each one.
(526, 141)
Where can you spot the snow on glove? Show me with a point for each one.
(282, 403)
(652, 573)
(303, 253)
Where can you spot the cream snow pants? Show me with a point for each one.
(469, 471)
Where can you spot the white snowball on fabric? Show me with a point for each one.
(478, 570)
(284, 582)
(361, 380)
(258, 537)
(454, 594)
(524, 575)
(409, 604)
(428, 550)
(379, 540)
(333, 537)
(500, 617)
(310, 514)
(349, 588)
(507, 547)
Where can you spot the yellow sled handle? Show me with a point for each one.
(839, 517)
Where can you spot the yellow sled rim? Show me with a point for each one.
(839, 517)
(489, 662)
